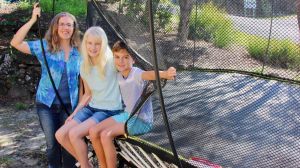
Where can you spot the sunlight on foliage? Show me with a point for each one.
(75, 7)
(211, 24)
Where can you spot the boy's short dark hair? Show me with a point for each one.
(120, 45)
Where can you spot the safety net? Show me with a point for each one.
(236, 98)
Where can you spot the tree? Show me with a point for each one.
(186, 7)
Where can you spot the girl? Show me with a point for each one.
(61, 49)
(101, 93)
(131, 81)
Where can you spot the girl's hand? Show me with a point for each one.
(36, 12)
(171, 73)
(69, 118)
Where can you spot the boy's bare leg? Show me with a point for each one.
(95, 133)
(109, 148)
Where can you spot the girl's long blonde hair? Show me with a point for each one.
(101, 59)
(52, 33)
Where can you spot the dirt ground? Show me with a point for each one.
(22, 141)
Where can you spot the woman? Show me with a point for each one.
(61, 49)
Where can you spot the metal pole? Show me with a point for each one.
(269, 38)
(164, 114)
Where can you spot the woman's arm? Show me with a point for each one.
(168, 74)
(18, 39)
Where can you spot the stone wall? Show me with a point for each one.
(19, 75)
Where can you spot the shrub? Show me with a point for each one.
(137, 11)
(21, 106)
(75, 7)
(285, 53)
(24, 5)
(257, 47)
(282, 53)
(211, 24)
(163, 16)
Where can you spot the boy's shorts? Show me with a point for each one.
(97, 115)
(135, 126)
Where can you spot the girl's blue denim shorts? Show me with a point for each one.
(97, 115)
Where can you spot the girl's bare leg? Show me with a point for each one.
(62, 136)
(76, 135)
(95, 133)
(109, 149)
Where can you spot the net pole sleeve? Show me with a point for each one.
(158, 83)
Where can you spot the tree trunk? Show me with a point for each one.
(186, 7)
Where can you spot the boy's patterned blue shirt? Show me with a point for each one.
(45, 92)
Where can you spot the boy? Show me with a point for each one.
(131, 82)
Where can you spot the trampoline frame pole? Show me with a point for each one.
(158, 83)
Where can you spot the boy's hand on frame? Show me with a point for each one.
(171, 73)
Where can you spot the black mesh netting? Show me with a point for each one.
(235, 101)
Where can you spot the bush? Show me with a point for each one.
(290, 51)
(211, 24)
(24, 5)
(75, 7)
(163, 16)
(136, 11)
(257, 47)
(282, 53)
(21, 106)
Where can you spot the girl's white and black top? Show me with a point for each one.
(131, 89)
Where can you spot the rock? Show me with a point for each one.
(22, 71)
(22, 66)
(27, 77)
(17, 91)
(30, 161)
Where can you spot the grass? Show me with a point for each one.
(5, 161)
(21, 106)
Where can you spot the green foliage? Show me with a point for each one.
(134, 9)
(257, 70)
(282, 53)
(257, 47)
(285, 53)
(16, 21)
(75, 7)
(137, 11)
(5, 161)
(163, 16)
(211, 24)
(24, 5)
(21, 106)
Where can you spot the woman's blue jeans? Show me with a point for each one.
(51, 119)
